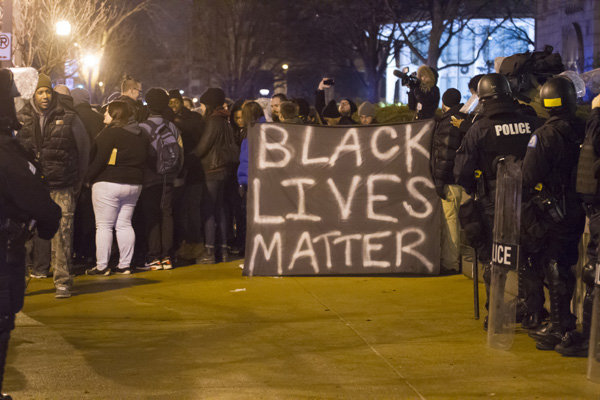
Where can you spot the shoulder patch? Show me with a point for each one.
(533, 142)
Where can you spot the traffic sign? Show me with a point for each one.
(5, 46)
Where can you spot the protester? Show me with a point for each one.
(288, 113)
(276, 101)
(331, 114)
(216, 151)
(446, 140)
(63, 156)
(165, 162)
(116, 175)
(345, 109)
(366, 113)
(131, 89)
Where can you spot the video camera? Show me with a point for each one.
(407, 80)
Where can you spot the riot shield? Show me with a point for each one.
(593, 372)
(505, 255)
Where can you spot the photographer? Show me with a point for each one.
(424, 95)
(23, 200)
(346, 108)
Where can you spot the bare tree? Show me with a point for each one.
(93, 26)
(358, 34)
(428, 27)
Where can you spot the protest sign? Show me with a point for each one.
(351, 200)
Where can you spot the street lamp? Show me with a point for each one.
(63, 28)
(91, 62)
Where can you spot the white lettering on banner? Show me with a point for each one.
(415, 194)
(308, 133)
(351, 134)
(372, 198)
(344, 205)
(301, 214)
(413, 143)
(393, 151)
(369, 247)
(268, 252)
(263, 219)
(325, 237)
(273, 146)
(410, 248)
(516, 128)
(348, 249)
(308, 252)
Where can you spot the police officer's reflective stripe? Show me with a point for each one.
(517, 128)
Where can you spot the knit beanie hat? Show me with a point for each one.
(213, 97)
(175, 94)
(451, 97)
(44, 81)
(157, 100)
(80, 96)
(353, 107)
(366, 109)
(331, 110)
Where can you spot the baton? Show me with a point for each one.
(475, 284)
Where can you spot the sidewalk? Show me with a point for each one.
(207, 332)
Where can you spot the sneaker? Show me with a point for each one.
(208, 257)
(96, 271)
(152, 266)
(166, 263)
(62, 292)
(123, 271)
(38, 276)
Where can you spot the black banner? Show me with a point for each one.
(341, 201)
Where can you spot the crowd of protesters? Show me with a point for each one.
(170, 178)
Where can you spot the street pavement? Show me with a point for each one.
(207, 332)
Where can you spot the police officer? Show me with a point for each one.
(549, 170)
(502, 130)
(23, 199)
(576, 344)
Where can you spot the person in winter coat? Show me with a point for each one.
(366, 113)
(116, 176)
(424, 95)
(216, 151)
(446, 140)
(346, 107)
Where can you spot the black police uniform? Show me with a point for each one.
(500, 132)
(23, 199)
(551, 160)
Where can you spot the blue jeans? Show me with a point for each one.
(113, 206)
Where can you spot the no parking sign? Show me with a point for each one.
(5, 46)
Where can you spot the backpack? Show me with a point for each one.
(164, 141)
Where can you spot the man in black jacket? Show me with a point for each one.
(57, 138)
(131, 89)
(23, 199)
(446, 140)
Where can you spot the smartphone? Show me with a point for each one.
(329, 82)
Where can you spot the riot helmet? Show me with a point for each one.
(493, 86)
(558, 95)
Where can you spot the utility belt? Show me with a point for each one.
(15, 233)
(485, 187)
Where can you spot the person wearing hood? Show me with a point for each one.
(116, 174)
(57, 138)
(446, 140)
(346, 107)
(92, 119)
(159, 180)
(217, 152)
(424, 95)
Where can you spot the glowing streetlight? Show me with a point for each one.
(264, 92)
(195, 99)
(100, 84)
(63, 28)
(285, 66)
(91, 60)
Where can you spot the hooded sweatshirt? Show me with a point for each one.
(120, 155)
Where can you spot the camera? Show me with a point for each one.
(407, 80)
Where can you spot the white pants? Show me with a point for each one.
(113, 207)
